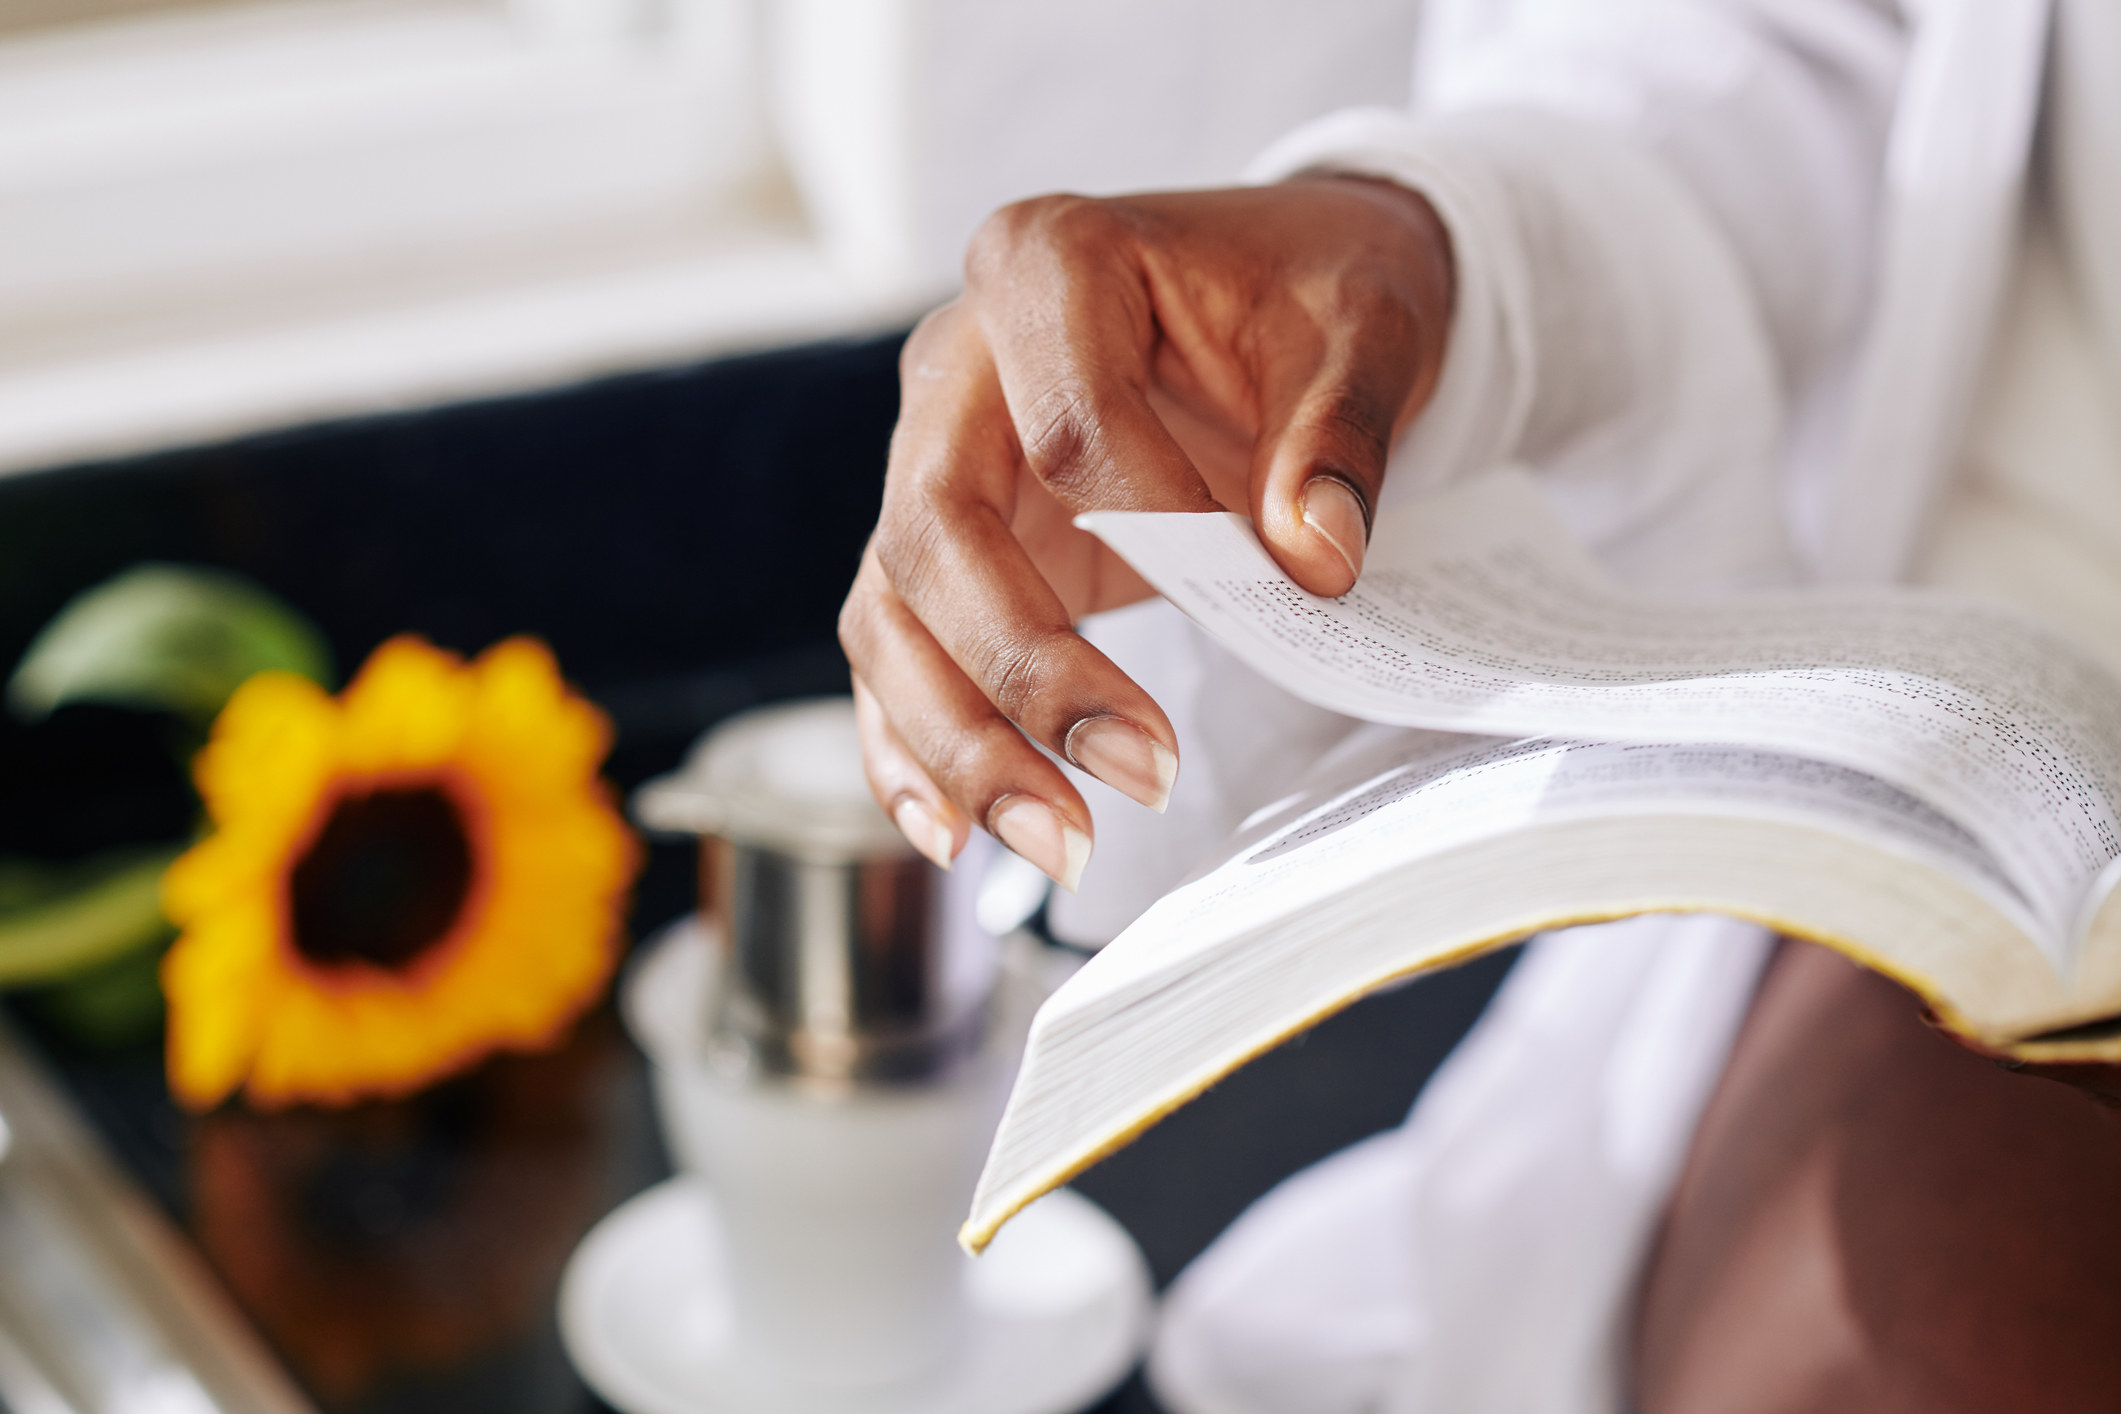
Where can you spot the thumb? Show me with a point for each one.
(1317, 472)
(1361, 349)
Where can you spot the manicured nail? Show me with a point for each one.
(1125, 758)
(1036, 831)
(1332, 508)
(923, 830)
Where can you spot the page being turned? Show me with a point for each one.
(1477, 613)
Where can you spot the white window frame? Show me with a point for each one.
(257, 214)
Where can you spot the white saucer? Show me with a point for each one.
(1059, 1310)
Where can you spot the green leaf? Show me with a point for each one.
(59, 920)
(167, 637)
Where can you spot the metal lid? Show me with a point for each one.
(788, 777)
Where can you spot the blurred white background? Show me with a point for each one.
(218, 216)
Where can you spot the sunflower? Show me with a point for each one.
(401, 880)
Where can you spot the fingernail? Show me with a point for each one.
(1125, 758)
(923, 830)
(1036, 831)
(1331, 508)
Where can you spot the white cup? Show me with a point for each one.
(840, 1207)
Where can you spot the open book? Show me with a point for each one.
(1927, 783)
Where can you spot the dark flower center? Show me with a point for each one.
(385, 879)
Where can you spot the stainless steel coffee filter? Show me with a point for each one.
(838, 967)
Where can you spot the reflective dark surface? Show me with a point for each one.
(405, 1257)
(683, 541)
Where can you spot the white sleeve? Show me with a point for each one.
(1661, 213)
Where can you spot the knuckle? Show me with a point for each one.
(1059, 433)
(958, 758)
(908, 550)
(856, 626)
(1077, 222)
(1017, 672)
(1002, 237)
(928, 336)
(850, 628)
(1057, 223)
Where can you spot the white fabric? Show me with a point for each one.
(1603, 334)
(1464, 1233)
(2083, 114)
(2034, 515)
(2034, 511)
(1774, 115)
(1669, 218)
(1953, 177)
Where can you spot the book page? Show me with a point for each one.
(1477, 613)
(1427, 846)
(1447, 791)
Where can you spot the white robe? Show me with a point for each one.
(1726, 271)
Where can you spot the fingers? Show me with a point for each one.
(932, 738)
(984, 606)
(1333, 404)
(947, 563)
(924, 815)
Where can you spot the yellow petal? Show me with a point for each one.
(528, 736)
(218, 977)
(271, 752)
(406, 711)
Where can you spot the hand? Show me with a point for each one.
(1195, 351)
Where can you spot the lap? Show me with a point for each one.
(1872, 1218)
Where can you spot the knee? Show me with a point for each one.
(1873, 1219)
